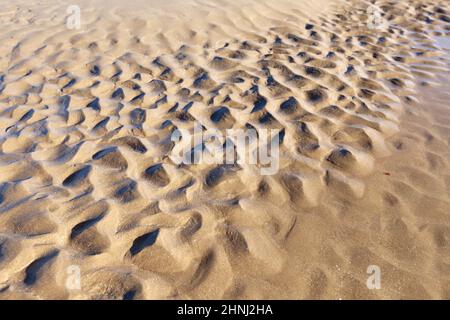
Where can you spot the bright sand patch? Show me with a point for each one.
(87, 178)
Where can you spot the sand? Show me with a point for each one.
(94, 206)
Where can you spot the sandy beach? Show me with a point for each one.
(98, 100)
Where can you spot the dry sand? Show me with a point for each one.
(86, 180)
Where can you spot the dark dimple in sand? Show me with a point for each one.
(312, 71)
(125, 193)
(266, 118)
(289, 106)
(213, 177)
(198, 83)
(94, 104)
(83, 226)
(188, 106)
(159, 102)
(138, 98)
(174, 108)
(64, 103)
(69, 84)
(118, 94)
(270, 81)
(141, 242)
(165, 124)
(27, 115)
(157, 86)
(77, 177)
(95, 71)
(350, 69)
(134, 143)
(259, 104)
(339, 156)
(116, 76)
(157, 175)
(137, 116)
(33, 269)
(220, 114)
(101, 124)
(315, 95)
(100, 154)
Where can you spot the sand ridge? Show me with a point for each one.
(87, 178)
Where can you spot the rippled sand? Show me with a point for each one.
(87, 180)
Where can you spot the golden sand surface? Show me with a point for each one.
(356, 91)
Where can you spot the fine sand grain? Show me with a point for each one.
(357, 92)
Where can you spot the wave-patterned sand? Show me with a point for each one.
(87, 178)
